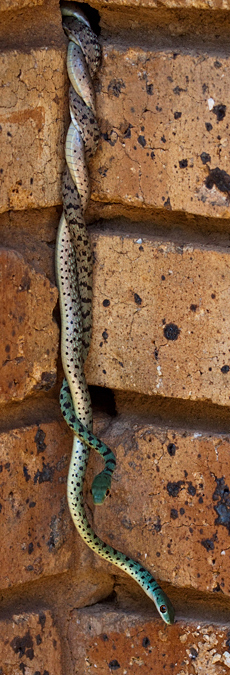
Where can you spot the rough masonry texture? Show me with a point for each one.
(159, 360)
(113, 641)
(34, 515)
(29, 643)
(170, 130)
(178, 521)
(32, 118)
(160, 319)
(29, 336)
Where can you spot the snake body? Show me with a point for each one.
(74, 278)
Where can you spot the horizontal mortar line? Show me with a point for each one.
(159, 411)
(155, 235)
(163, 42)
(42, 594)
(35, 411)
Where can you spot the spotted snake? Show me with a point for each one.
(74, 279)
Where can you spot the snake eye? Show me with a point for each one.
(107, 492)
(163, 609)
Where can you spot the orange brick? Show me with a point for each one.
(164, 124)
(161, 321)
(110, 640)
(152, 4)
(34, 114)
(36, 527)
(29, 643)
(169, 505)
(164, 120)
(29, 334)
(18, 4)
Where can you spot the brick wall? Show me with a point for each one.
(159, 364)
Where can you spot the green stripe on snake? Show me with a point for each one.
(74, 279)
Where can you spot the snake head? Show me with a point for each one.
(101, 487)
(165, 608)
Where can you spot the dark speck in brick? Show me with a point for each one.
(225, 369)
(208, 544)
(142, 141)
(205, 157)
(171, 331)
(42, 619)
(105, 335)
(193, 653)
(114, 665)
(177, 115)
(171, 449)
(191, 489)
(173, 488)
(44, 476)
(115, 87)
(174, 514)
(40, 440)
(219, 111)
(183, 163)
(26, 473)
(222, 508)
(137, 299)
(157, 525)
(220, 178)
(149, 89)
(23, 646)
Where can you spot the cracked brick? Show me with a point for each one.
(29, 338)
(29, 642)
(183, 318)
(117, 641)
(160, 159)
(174, 528)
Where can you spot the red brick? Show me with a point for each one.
(158, 291)
(34, 114)
(36, 527)
(111, 640)
(29, 334)
(29, 643)
(156, 151)
(169, 503)
(152, 4)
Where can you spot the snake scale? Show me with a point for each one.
(74, 279)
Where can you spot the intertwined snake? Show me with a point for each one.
(74, 278)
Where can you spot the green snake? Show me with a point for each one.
(74, 279)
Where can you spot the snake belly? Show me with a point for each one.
(74, 279)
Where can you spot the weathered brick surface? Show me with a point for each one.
(110, 640)
(161, 320)
(164, 120)
(164, 124)
(18, 4)
(29, 643)
(181, 4)
(34, 108)
(169, 504)
(34, 516)
(29, 334)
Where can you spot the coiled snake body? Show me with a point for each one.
(74, 278)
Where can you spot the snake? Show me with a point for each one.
(73, 262)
